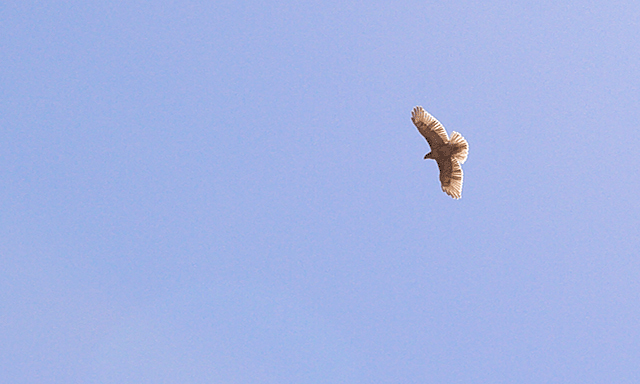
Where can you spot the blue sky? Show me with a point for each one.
(233, 192)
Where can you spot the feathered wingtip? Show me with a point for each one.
(452, 185)
(461, 147)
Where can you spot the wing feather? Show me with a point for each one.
(429, 127)
(451, 177)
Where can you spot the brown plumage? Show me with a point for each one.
(448, 153)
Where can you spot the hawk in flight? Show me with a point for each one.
(448, 153)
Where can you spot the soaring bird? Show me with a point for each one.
(448, 153)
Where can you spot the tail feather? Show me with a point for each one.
(460, 147)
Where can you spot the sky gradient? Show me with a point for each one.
(233, 192)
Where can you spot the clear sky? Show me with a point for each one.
(233, 192)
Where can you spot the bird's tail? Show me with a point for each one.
(460, 147)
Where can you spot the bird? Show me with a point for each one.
(448, 153)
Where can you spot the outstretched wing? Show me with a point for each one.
(451, 177)
(429, 127)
